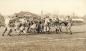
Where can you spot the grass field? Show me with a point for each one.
(45, 42)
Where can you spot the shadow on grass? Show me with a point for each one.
(51, 33)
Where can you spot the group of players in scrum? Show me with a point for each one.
(37, 26)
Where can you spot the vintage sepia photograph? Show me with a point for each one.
(42, 25)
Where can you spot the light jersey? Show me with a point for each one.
(46, 20)
(23, 20)
(57, 20)
(69, 20)
(33, 26)
(7, 22)
(17, 25)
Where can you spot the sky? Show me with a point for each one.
(64, 7)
